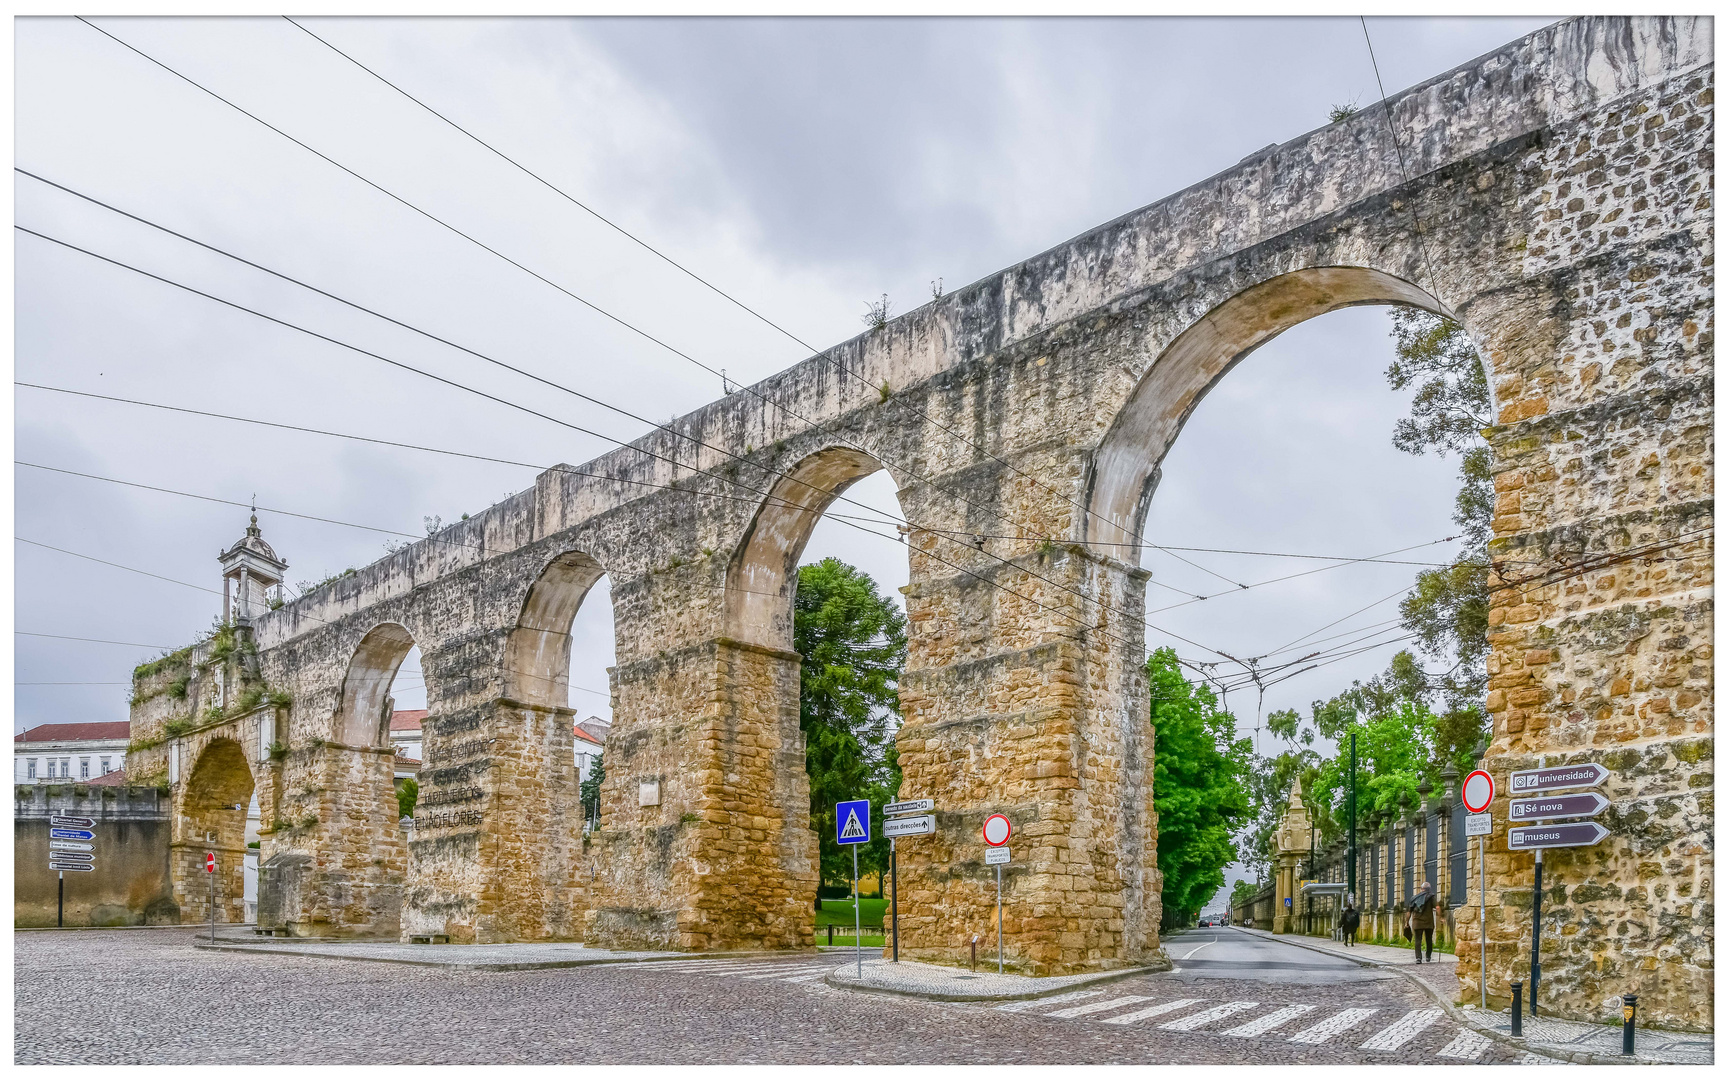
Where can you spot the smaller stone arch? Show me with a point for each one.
(211, 817)
(537, 654)
(362, 715)
(763, 574)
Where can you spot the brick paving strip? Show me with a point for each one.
(1568, 1040)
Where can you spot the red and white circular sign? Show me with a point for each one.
(1478, 791)
(209, 862)
(997, 830)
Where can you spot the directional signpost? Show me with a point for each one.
(1539, 838)
(70, 849)
(996, 831)
(852, 826)
(1477, 795)
(922, 825)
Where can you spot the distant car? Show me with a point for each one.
(1205, 922)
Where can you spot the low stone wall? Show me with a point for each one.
(130, 885)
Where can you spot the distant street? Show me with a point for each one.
(1234, 998)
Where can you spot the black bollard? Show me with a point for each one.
(1628, 1023)
(1517, 1009)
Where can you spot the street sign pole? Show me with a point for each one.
(998, 918)
(894, 879)
(1536, 935)
(60, 917)
(212, 904)
(1482, 910)
(858, 921)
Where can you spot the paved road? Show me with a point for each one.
(1229, 953)
(149, 997)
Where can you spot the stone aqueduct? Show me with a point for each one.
(1563, 185)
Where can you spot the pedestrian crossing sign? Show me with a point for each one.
(852, 821)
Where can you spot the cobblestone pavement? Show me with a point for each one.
(117, 997)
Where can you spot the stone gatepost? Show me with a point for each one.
(1294, 844)
(1024, 695)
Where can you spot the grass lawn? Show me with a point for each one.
(839, 912)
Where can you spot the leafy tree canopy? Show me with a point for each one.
(853, 641)
(1199, 787)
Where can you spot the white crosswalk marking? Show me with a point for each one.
(1468, 1046)
(1216, 1012)
(1101, 1006)
(807, 978)
(1332, 1025)
(1261, 1025)
(800, 969)
(1039, 1003)
(1408, 1026)
(1155, 1010)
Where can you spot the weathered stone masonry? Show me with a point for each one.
(1563, 186)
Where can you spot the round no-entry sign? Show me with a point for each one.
(997, 830)
(209, 862)
(1478, 791)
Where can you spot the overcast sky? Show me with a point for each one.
(806, 167)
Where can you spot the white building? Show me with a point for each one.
(70, 753)
(590, 741)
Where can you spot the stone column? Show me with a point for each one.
(1024, 695)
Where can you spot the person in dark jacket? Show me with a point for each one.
(1350, 921)
(1420, 920)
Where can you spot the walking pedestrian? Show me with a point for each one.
(1420, 920)
(1350, 921)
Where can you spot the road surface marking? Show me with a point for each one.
(1155, 1010)
(1467, 1046)
(1269, 1021)
(1408, 1026)
(1196, 949)
(1217, 1012)
(801, 969)
(1101, 1006)
(1332, 1025)
(807, 978)
(1039, 1003)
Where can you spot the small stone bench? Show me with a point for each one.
(429, 939)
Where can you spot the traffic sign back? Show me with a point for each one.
(852, 822)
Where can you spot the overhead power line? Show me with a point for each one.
(839, 362)
(814, 425)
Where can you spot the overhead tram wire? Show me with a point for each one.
(672, 431)
(635, 449)
(95, 641)
(638, 483)
(924, 416)
(433, 539)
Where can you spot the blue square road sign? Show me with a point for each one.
(852, 821)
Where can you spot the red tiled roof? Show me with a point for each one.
(112, 729)
(117, 778)
(582, 736)
(407, 719)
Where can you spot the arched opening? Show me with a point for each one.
(559, 657)
(1291, 480)
(363, 716)
(213, 811)
(826, 586)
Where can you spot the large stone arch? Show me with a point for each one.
(1125, 466)
(363, 712)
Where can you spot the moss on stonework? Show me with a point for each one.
(162, 663)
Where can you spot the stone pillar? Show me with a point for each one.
(1025, 695)
(1294, 844)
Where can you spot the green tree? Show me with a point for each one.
(1243, 892)
(1199, 787)
(407, 794)
(590, 791)
(1447, 610)
(853, 641)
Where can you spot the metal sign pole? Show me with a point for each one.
(998, 918)
(857, 920)
(894, 903)
(1482, 910)
(212, 904)
(1536, 935)
(60, 918)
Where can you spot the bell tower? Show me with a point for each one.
(249, 569)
